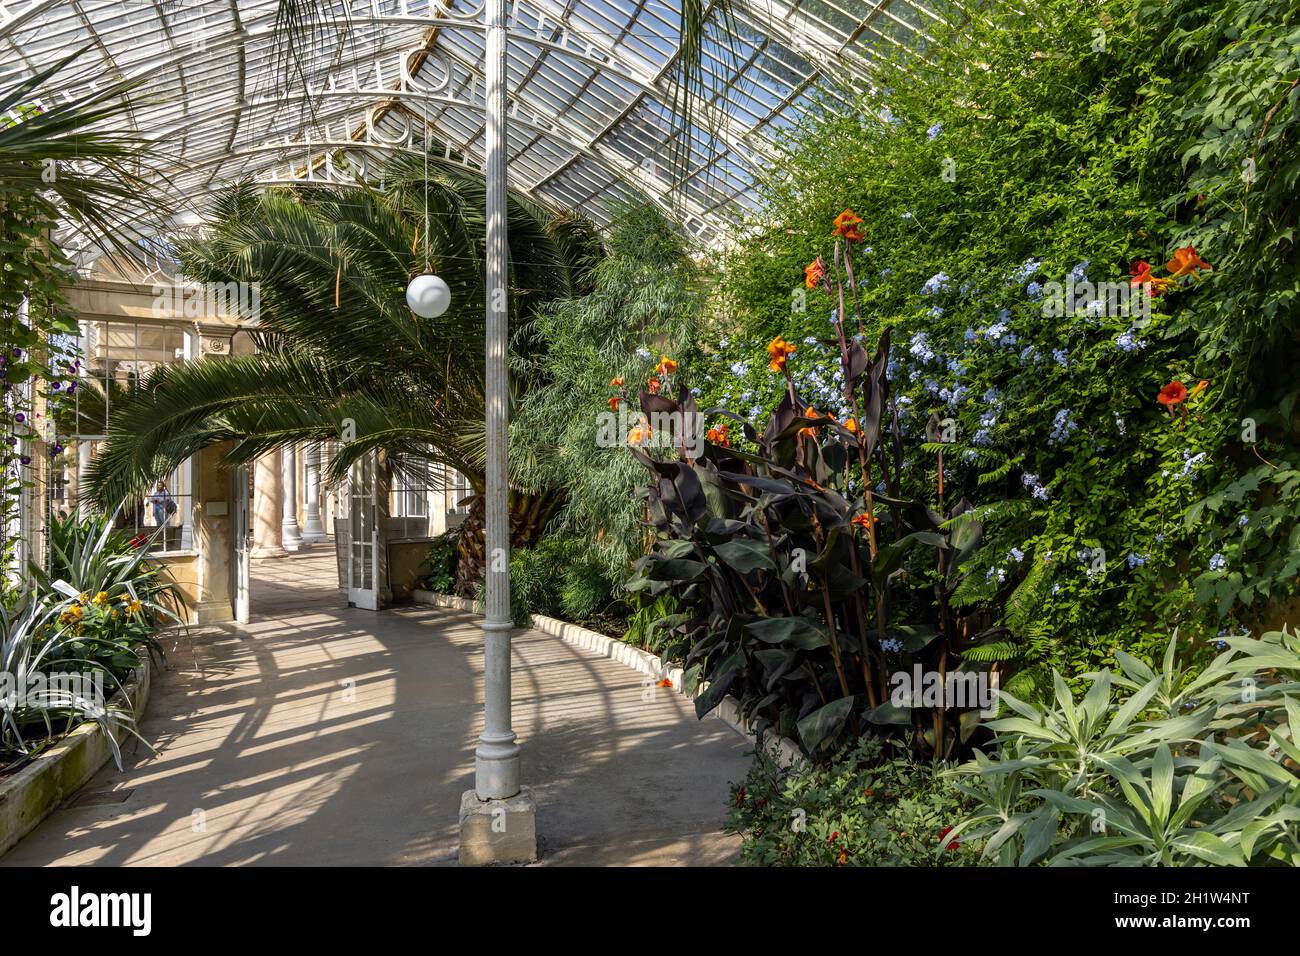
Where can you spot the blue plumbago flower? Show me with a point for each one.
(1119, 424)
(1047, 556)
(643, 354)
(932, 386)
(968, 455)
(956, 367)
(936, 311)
(1221, 645)
(992, 395)
(1063, 426)
(1062, 357)
(935, 284)
(1125, 342)
(995, 331)
(1241, 522)
(887, 115)
(892, 368)
(934, 131)
(969, 335)
(1218, 562)
(1080, 271)
(747, 396)
(696, 392)
(919, 346)
(1029, 354)
(1137, 560)
(835, 316)
(755, 412)
(886, 273)
(723, 342)
(989, 419)
(867, 250)
(958, 395)
(999, 573)
(1095, 309)
(1034, 290)
(1027, 269)
(1016, 555)
(739, 369)
(906, 216)
(982, 437)
(891, 645)
(1190, 462)
(811, 340)
(1056, 589)
(1160, 538)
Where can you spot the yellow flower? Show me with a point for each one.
(83, 597)
(134, 607)
(666, 365)
(101, 598)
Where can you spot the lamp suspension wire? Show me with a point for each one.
(425, 124)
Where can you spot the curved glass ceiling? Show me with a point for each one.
(591, 103)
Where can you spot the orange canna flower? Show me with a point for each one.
(811, 412)
(666, 365)
(616, 382)
(1185, 262)
(613, 402)
(844, 857)
(846, 225)
(865, 520)
(814, 273)
(778, 351)
(851, 425)
(664, 683)
(1175, 393)
(639, 435)
(652, 385)
(719, 436)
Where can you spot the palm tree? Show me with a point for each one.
(338, 341)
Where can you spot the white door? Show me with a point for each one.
(363, 537)
(241, 528)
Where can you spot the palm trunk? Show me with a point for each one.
(529, 515)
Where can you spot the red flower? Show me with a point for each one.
(613, 402)
(139, 540)
(652, 385)
(1141, 272)
(740, 796)
(1175, 393)
(943, 836)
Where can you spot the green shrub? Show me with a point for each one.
(442, 562)
(1168, 767)
(643, 624)
(586, 592)
(864, 809)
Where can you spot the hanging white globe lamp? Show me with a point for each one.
(428, 296)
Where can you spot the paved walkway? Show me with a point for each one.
(324, 735)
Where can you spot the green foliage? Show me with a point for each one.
(586, 590)
(865, 809)
(643, 624)
(983, 175)
(1178, 768)
(643, 302)
(441, 562)
(94, 612)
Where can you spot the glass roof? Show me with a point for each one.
(591, 89)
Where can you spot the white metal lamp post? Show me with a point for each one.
(498, 818)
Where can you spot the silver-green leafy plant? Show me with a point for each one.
(1154, 768)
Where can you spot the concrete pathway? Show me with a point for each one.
(324, 735)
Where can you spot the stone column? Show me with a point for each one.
(268, 507)
(313, 531)
(290, 534)
(498, 818)
(212, 533)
